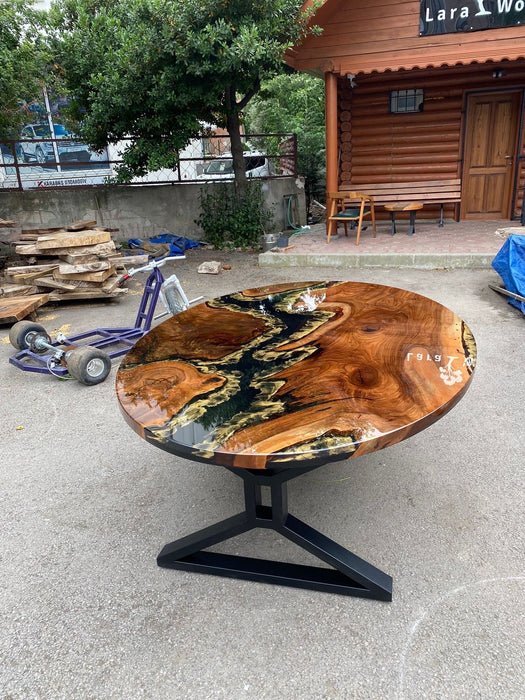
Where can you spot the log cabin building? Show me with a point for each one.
(424, 90)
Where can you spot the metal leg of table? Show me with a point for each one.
(393, 220)
(412, 228)
(350, 575)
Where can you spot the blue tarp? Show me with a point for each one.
(177, 244)
(509, 263)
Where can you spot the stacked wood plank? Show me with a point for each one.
(80, 261)
(17, 308)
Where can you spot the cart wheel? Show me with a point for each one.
(33, 344)
(21, 334)
(88, 365)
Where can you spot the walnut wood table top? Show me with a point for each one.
(296, 374)
(403, 206)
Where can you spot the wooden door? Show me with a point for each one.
(490, 155)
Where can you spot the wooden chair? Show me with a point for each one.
(349, 206)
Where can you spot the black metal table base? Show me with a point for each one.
(412, 224)
(350, 575)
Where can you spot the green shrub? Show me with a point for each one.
(231, 219)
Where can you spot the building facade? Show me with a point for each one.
(425, 90)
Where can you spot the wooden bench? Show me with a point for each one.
(431, 191)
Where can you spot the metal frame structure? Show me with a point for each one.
(93, 168)
(350, 575)
(120, 339)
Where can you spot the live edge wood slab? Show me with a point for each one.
(297, 374)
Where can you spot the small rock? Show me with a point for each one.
(226, 267)
(211, 267)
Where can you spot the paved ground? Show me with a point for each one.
(461, 244)
(86, 506)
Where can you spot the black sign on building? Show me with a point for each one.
(449, 16)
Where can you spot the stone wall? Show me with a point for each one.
(138, 212)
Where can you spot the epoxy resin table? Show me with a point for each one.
(273, 382)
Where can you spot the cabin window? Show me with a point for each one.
(402, 101)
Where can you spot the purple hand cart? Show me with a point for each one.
(87, 356)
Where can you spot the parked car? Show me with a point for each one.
(32, 148)
(221, 168)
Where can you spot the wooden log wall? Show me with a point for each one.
(377, 146)
(383, 35)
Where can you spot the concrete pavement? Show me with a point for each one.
(457, 244)
(87, 505)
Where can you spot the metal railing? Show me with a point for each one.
(57, 163)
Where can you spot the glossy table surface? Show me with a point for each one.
(403, 206)
(296, 375)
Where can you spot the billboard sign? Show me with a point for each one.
(450, 16)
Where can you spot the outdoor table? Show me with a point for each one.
(273, 382)
(411, 207)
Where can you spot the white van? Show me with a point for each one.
(221, 168)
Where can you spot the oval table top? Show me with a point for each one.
(403, 206)
(295, 375)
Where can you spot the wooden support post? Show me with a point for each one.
(332, 175)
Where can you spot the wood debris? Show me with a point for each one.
(14, 309)
(80, 261)
(16, 290)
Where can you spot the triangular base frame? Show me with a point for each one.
(350, 575)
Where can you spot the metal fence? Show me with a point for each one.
(53, 163)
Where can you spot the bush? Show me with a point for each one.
(231, 219)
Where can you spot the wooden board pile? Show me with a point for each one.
(80, 261)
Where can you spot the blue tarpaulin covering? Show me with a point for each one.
(177, 244)
(509, 263)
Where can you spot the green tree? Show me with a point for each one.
(22, 63)
(295, 103)
(156, 70)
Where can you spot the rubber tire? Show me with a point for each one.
(89, 365)
(19, 332)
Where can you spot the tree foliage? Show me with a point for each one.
(295, 103)
(231, 219)
(157, 70)
(22, 62)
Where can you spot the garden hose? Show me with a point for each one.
(296, 229)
